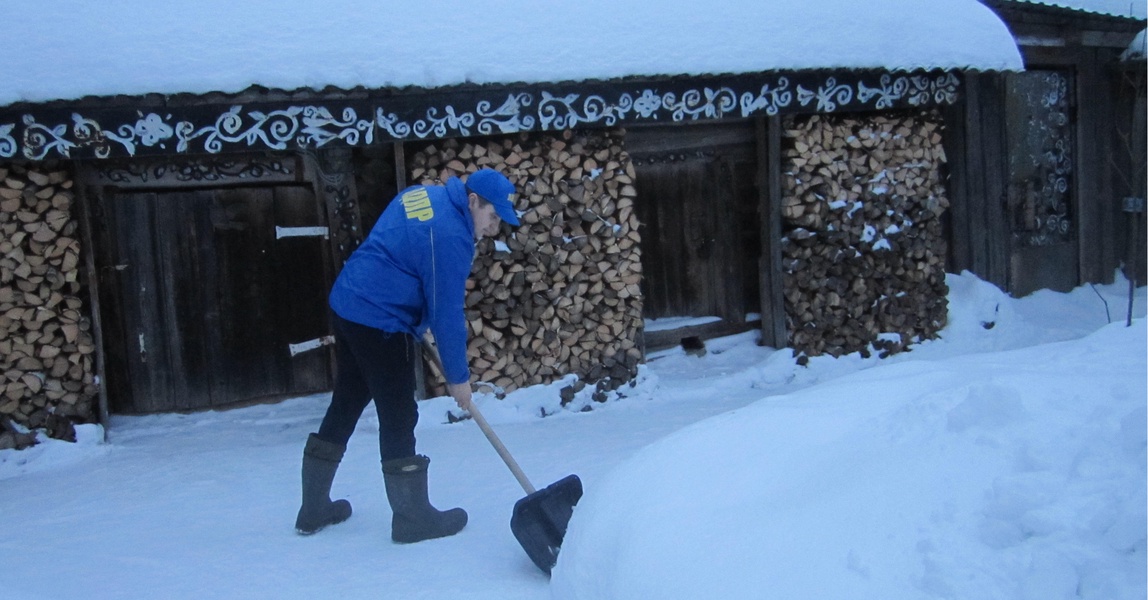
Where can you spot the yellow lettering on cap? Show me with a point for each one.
(417, 205)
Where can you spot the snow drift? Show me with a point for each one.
(908, 481)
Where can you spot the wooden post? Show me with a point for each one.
(88, 245)
(400, 166)
(421, 391)
(773, 331)
(332, 176)
(959, 130)
(998, 246)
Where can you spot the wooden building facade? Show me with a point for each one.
(216, 225)
(1042, 160)
(210, 228)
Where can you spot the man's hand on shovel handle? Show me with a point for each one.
(461, 394)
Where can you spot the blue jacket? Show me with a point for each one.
(411, 271)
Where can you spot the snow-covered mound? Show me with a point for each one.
(1017, 474)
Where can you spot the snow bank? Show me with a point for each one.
(49, 453)
(1006, 475)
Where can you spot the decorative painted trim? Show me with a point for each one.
(1041, 200)
(189, 170)
(334, 185)
(39, 133)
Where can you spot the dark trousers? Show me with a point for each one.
(373, 364)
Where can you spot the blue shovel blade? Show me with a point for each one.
(540, 519)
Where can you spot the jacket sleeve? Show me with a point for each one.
(444, 287)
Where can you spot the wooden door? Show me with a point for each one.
(1041, 203)
(201, 299)
(701, 243)
(688, 263)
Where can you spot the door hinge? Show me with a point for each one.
(282, 232)
(310, 344)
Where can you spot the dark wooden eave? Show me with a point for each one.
(265, 119)
(1058, 25)
(1019, 11)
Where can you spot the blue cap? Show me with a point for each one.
(496, 189)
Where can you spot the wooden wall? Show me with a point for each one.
(983, 236)
(983, 239)
(977, 164)
(1131, 164)
(209, 276)
(201, 299)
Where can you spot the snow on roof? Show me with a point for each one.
(1137, 9)
(1137, 49)
(68, 49)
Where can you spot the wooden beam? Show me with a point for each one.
(400, 167)
(773, 330)
(996, 175)
(87, 243)
(1096, 201)
(972, 214)
(958, 130)
(333, 181)
(421, 388)
(979, 209)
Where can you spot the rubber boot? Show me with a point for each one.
(320, 461)
(414, 519)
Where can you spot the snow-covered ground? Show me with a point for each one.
(1004, 460)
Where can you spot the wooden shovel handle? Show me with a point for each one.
(500, 448)
(491, 437)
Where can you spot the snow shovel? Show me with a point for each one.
(539, 520)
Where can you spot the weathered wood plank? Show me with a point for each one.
(994, 165)
(1098, 202)
(147, 354)
(768, 137)
(972, 213)
(88, 241)
(300, 284)
(688, 138)
(959, 129)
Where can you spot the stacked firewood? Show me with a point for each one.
(560, 294)
(863, 250)
(46, 348)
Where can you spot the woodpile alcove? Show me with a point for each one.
(46, 346)
(863, 246)
(562, 296)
